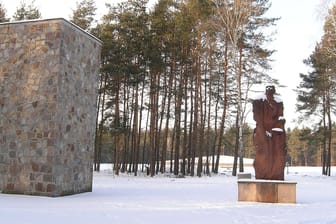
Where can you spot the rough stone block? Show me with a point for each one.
(48, 90)
(244, 176)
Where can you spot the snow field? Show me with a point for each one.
(164, 199)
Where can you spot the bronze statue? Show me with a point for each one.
(269, 136)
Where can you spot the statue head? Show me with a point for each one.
(270, 91)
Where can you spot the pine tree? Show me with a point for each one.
(316, 93)
(316, 97)
(240, 23)
(3, 17)
(83, 15)
(26, 12)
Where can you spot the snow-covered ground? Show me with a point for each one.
(126, 199)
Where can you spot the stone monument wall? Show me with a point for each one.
(48, 91)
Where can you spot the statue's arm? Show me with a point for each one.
(258, 111)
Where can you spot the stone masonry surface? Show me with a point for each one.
(48, 91)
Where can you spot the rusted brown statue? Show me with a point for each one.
(269, 136)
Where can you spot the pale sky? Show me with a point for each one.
(298, 31)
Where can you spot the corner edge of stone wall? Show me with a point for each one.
(63, 20)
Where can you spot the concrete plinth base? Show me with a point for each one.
(271, 191)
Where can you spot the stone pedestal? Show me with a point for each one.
(270, 191)
(244, 176)
(48, 90)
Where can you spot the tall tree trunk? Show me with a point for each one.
(208, 113)
(146, 157)
(213, 148)
(101, 128)
(200, 136)
(116, 143)
(178, 125)
(97, 121)
(324, 154)
(225, 106)
(185, 156)
(135, 131)
(236, 149)
(140, 124)
(159, 121)
(191, 152)
(172, 146)
(153, 122)
(117, 125)
(328, 165)
(241, 112)
(194, 144)
(166, 129)
(237, 54)
(125, 129)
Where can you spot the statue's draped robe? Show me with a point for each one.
(269, 139)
